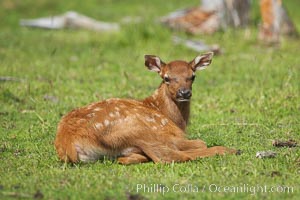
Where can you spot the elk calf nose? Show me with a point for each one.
(184, 93)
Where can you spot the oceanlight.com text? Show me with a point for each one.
(212, 188)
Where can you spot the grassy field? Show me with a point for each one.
(245, 99)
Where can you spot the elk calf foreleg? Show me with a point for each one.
(162, 153)
(208, 152)
(184, 144)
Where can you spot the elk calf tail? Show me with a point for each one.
(66, 154)
(65, 148)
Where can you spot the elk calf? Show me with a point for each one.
(139, 131)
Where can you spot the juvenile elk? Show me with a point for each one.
(139, 131)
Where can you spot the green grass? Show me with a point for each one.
(248, 97)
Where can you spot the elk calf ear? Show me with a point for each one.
(201, 61)
(153, 63)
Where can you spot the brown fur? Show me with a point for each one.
(137, 131)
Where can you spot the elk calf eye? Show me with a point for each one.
(166, 79)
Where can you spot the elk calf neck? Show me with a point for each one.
(139, 131)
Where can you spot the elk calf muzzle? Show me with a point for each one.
(184, 94)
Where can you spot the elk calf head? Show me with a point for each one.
(178, 75)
